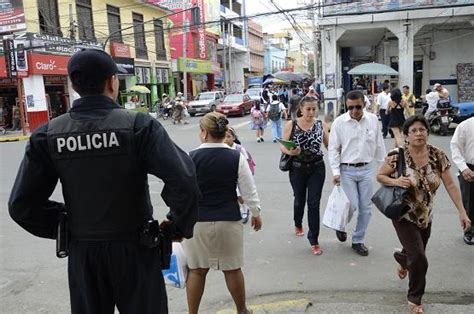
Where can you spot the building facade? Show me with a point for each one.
(256, 50)
(131, 32)
(427, 42)
(277, 53)
(233, 48)
(300, 56)
(201, 35)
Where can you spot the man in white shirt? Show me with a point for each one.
(355, 142)
(382, 101)
(462, 152)
(274, 111)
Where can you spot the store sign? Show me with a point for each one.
(120, 50)
(48, 64)
(162, 76)
(55, 80)
(12, 16)
(10, 60)
(143, 75)
(202, 31)
(127, 63)
(54, 44)
(195, 66)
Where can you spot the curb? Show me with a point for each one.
(14, 138)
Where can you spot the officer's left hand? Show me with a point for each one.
(256, 223)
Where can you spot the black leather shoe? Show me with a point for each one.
(468, 239)
(341, 236)
(361, 249)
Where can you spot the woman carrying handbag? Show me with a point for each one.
(426, 167)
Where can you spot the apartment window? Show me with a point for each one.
(113, 19)
(84, 19)
(159, 40)
(139, 35)
(49, 17)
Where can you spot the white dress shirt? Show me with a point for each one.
(462, 144)
(245, 182)
(432, 100)
(383, 99)
(352, 141)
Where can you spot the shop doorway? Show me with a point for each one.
(417, 78)
(57, 96)
(8, 98)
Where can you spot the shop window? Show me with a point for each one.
(49, 17)
(139, 36)
(159, 40)
(113, 19)
(84, 20)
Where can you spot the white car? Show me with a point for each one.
(255, 94)
(205, 102)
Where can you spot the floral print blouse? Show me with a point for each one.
(426, 181)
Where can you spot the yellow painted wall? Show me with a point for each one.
(100, 21)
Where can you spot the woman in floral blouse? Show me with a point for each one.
(427, 166)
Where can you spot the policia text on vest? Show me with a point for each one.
(87, 142)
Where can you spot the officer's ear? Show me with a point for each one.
(111, 87)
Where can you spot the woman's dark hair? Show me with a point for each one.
(396, 95)
(257, 105)
(234, 135)
(411, 120)
(274, 97)
(355, 94)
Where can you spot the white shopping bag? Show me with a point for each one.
(176, 275)
(336, 215)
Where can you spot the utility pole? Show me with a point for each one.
(184, 63)
(224, 54)
(317, 57)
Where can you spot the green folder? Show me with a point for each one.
(288, 144)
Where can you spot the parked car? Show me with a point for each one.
(205, 102)
(236, 104)
(255, 94)
(462, 111)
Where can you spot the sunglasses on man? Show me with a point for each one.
(358, 107)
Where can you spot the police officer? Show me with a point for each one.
(102, 154)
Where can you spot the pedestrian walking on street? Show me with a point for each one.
(355, 143)
(308, 172)
(218, 234)
(410, 100)
(274, 112)
(258, 121)
(294, 104)
(462, 151)
(427, 166)
(383, 99)
(396, 109)
(102, 154)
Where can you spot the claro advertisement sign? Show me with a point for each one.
(12, 16)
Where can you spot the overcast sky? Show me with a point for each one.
(276, 23)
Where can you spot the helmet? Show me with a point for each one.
(179, 94)
(164, 95)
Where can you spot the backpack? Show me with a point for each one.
(274, 113)
(249, 160)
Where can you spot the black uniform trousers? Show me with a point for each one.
(467, 192)
(105, 274)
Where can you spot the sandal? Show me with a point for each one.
(415, 308)
(402, 272)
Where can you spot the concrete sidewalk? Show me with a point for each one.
(13, 136)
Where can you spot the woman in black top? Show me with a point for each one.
(308, 171)
(218, 235)
(396, 109)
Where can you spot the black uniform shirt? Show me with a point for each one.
(156, 153)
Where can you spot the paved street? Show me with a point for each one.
(281, 273)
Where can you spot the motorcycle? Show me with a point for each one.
(165, 110)
(441, 119)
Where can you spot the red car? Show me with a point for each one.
(236, 104)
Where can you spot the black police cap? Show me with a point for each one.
(93, 64)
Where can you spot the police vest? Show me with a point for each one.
(105, 190)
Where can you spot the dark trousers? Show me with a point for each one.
(413, 257)
(105, 274)
(307, 182)
(384, 118)
(467, 192)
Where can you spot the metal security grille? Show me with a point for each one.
(113, 19)
(84, 20)
(159, 40)
(139, 35)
